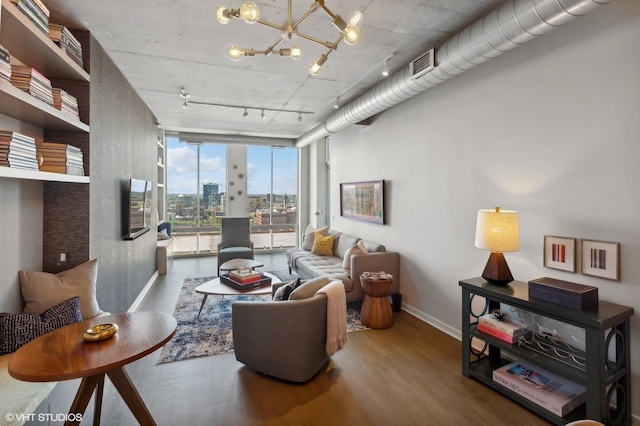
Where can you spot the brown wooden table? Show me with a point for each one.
(376, 309)
(63, 355)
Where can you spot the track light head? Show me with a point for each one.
(262, 115)
(185, 98)
(385, 69)
(245, 113)
(299, 116)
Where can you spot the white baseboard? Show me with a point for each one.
(445, 328)
(143, 293)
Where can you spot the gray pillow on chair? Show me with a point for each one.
(309, 288)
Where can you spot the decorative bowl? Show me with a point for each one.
(100, 332)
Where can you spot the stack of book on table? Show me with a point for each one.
(5, 64)
(36, 11)
(65, 102)
(551, 392)
(61, 36)
(31, 81)
(245, 279)
(17, 151)
(503, 329)
(61, 158)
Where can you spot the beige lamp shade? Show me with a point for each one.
(497, 230)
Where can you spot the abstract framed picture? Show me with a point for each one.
(560, 253)
(363, 201)
(601, 259)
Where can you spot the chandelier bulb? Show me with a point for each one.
(223, 15)
(250, 12)
(296, 52)
(235, 52)
(314, 67)
(351, 35)
(355, 18)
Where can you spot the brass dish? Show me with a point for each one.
(100, 332)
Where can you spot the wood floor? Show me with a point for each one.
(408, 374)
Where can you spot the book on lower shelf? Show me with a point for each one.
(550, 391)
(503, 329)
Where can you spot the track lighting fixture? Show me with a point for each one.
(336, 105)
(385, 69)
(249, 12)
(185, 98)
(186, 101)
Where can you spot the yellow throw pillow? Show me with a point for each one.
(322, 245)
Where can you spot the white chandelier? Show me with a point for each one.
(249, 12)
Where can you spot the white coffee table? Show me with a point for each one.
(216, 287)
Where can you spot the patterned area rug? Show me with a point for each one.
(211, 335)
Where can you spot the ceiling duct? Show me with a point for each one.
(503, 29)
(422, 64)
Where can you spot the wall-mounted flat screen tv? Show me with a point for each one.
(139, 207)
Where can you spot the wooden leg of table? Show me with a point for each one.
(98, 402)
(83, 396)
(204, 299)
(130, 395)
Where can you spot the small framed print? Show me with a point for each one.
(560, 253)
(601, 259)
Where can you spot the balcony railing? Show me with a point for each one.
(204, 240)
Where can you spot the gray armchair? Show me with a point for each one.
(284, 339)
(235, 240)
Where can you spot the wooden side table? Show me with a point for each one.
(376, 309)
(63, 355)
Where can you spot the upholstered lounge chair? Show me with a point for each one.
(235, 240)
(285, 339)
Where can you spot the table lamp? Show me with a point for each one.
(497, 230)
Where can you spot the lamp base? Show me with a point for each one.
(497, 271)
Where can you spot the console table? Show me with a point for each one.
(606, 327)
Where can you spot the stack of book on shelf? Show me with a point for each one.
(61, 36)
(500, 327)
(65, 102)
(36, 11)
(31, 81)
(5, 64)
(61, 158)
(17, 151)
(549, 391)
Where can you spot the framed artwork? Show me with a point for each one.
(601, 259)
(363, 201)
(560, 253)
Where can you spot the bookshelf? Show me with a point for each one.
(607, 331)
(65, 198)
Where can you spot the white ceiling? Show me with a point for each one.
(162, 46)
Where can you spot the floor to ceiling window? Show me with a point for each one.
(197, 195)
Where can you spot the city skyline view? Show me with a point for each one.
(182, 168)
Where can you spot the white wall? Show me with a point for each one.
(550, 129)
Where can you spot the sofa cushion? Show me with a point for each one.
(343, 243)
(17, 330)
(353, 250)
(42, 290)
(329, 266)
(322, 245)
(309, 236)
(374, 247)
(309, 288)
(283, 292)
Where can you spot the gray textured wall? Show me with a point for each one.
(123, 145)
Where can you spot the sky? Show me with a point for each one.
(182, 168)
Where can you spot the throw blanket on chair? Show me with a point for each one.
(336, 316)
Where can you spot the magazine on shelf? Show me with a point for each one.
(507, 326)
(551, 392)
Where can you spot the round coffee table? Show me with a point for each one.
(232, 264)
(216, 287)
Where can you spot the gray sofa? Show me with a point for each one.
(309, 265)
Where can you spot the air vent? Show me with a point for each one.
(422, 64)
